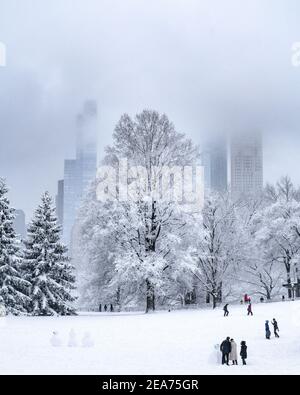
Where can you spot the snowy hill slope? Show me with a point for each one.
(180, 342)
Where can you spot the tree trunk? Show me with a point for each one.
(150, 299)
(220, 293)
(215, 299)
(289, 281)
(208, 298)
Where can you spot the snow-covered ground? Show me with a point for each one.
(179, 342)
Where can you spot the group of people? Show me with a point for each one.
(111, 308)
(275, 328)
(229, 352)
(229, 348)
(249, 310)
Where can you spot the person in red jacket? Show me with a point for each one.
(249, 309)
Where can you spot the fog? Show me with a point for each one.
(211, 66)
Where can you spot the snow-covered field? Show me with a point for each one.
(162, 343)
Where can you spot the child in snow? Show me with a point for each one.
(233, 356)
(268, 332)
(243, 352)
(249, 309)
(275, 326)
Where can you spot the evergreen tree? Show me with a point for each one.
(13, 288)
(46, 265)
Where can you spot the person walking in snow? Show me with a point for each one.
(105, 308)
(100, 308)
(233, 356)
(111, 308)
(268, 332)
(243, 352)
(226, 311)
(249, 309)
(275, 327)
(225, 349)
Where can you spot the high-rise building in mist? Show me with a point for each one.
(20, 224)
(214, 160)
(246, 165)
(80, 172)
(59, 202)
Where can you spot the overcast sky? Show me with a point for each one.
(211, 65)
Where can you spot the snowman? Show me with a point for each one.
(56, 340)
(87, 340)
(215, 356)
(72, 339)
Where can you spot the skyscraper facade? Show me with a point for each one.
(80, 172)
(246, 165)
(60, 202)
(214, 160)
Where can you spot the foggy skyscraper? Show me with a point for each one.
(214, 160)
(59, 202)
(80, 172)
(246, 164)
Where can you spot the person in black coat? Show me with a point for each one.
(105, 308)
(268, 332)
(100, 308)
(225, 349)
(243, 352)
(226, 311)
(111, 308)
(276, 328)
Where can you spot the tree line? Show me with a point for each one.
(36, 277)
(149, 251)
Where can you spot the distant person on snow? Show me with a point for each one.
(105, 308)
(111, 308)
(249, 309)
(262, 300)
(226, 311)
(225, 349)
(233, 356)
(100, 308)
(243, 352)
(275, 326)
(268, 332)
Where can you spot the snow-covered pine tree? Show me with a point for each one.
(13, 287)
(46, 264)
